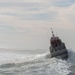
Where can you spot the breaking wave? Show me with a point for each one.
(15, 62)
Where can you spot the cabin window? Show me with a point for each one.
(59, 42)
(54, 43)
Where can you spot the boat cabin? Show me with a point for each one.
(55, 41)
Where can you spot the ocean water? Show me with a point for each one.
(35, 62)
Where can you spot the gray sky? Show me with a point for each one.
(25, 24)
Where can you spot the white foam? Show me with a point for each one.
(8, 56)
(38, 63)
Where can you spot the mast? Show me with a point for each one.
(52, 33)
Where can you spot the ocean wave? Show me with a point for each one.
(34, 64)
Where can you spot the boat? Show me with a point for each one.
(57, 48)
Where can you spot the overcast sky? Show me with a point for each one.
(25, 24)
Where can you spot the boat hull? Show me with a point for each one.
(60, 54)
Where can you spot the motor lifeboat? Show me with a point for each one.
(57, 48)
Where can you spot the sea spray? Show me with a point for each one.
(32, 64)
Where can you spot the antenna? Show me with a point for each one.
(52, 32)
